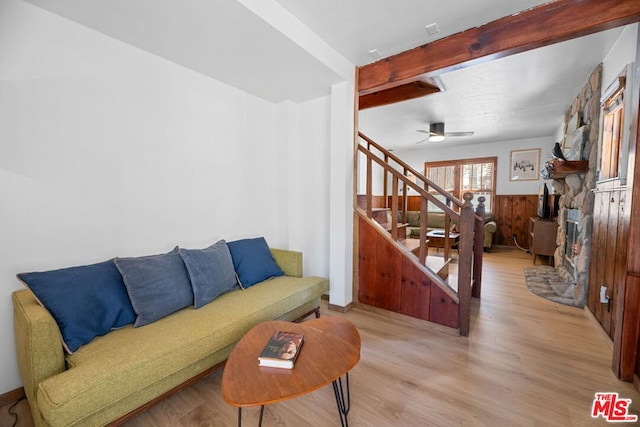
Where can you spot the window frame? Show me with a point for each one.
(611, 144)
(458, 179)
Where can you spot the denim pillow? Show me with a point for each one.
(210, 271)
(253, 261)
(86, 301)
(158, 285)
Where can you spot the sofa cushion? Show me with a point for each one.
(490, 227)
(158, 285)
(413, 218)
(435, 220)
(210, 271)
(86, 301)
(253, 261)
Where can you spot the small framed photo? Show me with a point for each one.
(525, 165)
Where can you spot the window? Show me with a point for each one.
(457, 177)
(613, 110)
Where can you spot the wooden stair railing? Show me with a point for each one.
(470, 223)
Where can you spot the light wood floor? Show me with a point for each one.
(527, 362)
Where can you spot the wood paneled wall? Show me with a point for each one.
(609, 240)
(512, 213)
(387, 279)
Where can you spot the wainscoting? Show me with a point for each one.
(512, 213)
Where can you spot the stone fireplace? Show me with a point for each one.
(575, 216)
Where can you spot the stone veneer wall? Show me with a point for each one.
(575, 189)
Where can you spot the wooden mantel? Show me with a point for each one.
(543, 25)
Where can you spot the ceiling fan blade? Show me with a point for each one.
(423, 131)
(422, 140)
(468, 133)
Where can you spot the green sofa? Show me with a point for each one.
(124, 370)
(435, 221)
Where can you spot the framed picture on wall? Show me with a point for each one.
(525, 165)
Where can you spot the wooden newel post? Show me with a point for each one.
(478, 248)
(465, 261)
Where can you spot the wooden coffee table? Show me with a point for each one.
(437, 238)
(330, 350)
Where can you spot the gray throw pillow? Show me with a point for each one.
(158, 285)
(210, 271)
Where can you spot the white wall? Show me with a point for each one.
(341, 186)
(622, 53)
(106, 150)
(308, 194)
(502, 150)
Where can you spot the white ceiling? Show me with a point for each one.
(354, 27)
(222, 39)
(259, 46)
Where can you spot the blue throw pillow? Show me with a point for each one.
(158, 285)
(86, 301)
(210, 271)
(253, 261)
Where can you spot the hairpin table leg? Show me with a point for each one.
(240, 416)
(343, 402)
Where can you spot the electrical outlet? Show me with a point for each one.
(604, 299)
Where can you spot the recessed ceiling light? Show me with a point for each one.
(432, 29)
(375, 54)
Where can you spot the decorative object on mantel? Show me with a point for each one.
(557, 152)
(558, 169)
(572, 125)
(577, 141)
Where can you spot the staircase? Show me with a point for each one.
(404, 275)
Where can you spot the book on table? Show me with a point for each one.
(281, 350)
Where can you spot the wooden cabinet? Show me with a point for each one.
(542, 237)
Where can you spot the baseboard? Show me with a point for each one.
(12, 396)
(605, 337)
(338, 308)
(341, 309)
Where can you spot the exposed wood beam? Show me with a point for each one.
(403, 92)
(536, 27)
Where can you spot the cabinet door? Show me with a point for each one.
(532, 222)
(544, 238)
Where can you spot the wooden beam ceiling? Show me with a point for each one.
(403, 92)
(540, 26)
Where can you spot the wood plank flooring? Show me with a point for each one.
(527, 362)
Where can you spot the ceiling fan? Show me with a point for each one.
(436, 133)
